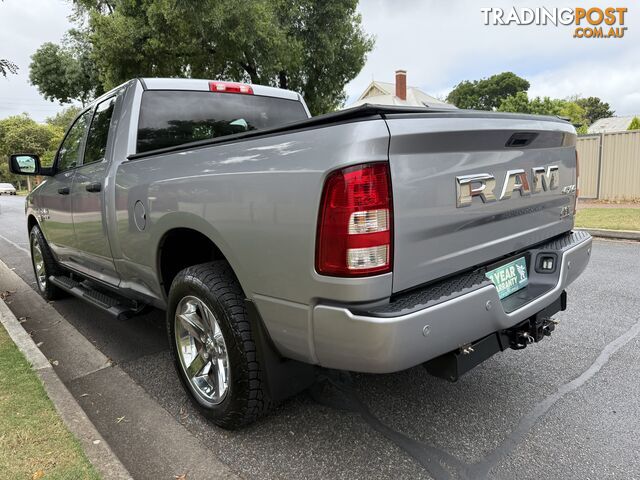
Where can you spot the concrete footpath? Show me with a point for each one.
(97, 450)
(125, 432)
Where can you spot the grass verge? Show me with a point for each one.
(34, 443)
(609, 218)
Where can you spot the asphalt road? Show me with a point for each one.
(565, 408)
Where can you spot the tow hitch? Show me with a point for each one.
(534, 330)
(452, 365)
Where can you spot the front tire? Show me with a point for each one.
(213, 347)
(44, 265)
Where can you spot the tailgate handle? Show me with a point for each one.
(521, 139)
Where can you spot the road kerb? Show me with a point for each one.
(613, 234)
(96, 448)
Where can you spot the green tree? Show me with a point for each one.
(487, 93)
(64, 117)
(520, 103)
(312, 47)
(20, 133)
(66, 72)
(595, 109)
(635, 124)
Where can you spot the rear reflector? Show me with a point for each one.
(231, 87)
(355, 222)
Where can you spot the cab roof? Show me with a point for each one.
(203, 85)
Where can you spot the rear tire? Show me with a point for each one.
(44, 265)
(216, 361)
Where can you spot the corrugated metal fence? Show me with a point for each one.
(610, 166)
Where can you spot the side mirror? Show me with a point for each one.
(24, 164)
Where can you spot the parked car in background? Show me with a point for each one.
(7, 189)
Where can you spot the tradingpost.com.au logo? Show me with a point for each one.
(589, 22)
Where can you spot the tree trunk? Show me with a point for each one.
(250, 68)
(253, 74)
(283, 79)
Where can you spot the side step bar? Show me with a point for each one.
(119, 307)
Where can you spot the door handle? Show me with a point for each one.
(94, 187)
(63, 191)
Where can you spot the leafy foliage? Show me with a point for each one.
(635, 124)
(488, 93)
(520, 103)
(64, 117)
(66, 72)
(22, 134)
(507, 92)
(312, 47)
(595, 109)
(7, 66)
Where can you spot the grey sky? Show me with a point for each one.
(24, 26)
(438, 42)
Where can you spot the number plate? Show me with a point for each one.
(509, 278)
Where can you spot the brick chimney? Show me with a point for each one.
(401, 84)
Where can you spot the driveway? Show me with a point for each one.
(564, 408)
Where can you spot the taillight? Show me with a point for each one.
(230, 87)
(355, 228)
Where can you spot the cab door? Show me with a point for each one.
(92, 250)
(53, 202)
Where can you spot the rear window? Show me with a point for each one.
(171, 117)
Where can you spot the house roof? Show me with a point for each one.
(384, 93)
(611, 124)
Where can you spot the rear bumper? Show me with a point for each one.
(423, 324)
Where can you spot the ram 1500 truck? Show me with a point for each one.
(372, 239)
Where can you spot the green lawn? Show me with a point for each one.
(609, 218)
(34, 443)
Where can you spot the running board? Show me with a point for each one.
(119, 307)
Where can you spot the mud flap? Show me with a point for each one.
(284, 377)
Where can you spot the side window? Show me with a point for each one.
(99, 132)
(69, 154)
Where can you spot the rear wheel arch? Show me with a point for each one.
(44, 265)
(184, 247)
(31, 222)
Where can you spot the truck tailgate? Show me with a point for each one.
(435, 235)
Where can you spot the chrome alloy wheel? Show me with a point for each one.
(202, 350)
(38, 263)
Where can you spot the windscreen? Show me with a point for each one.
(171, 117)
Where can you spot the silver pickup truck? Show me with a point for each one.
(372, 239)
